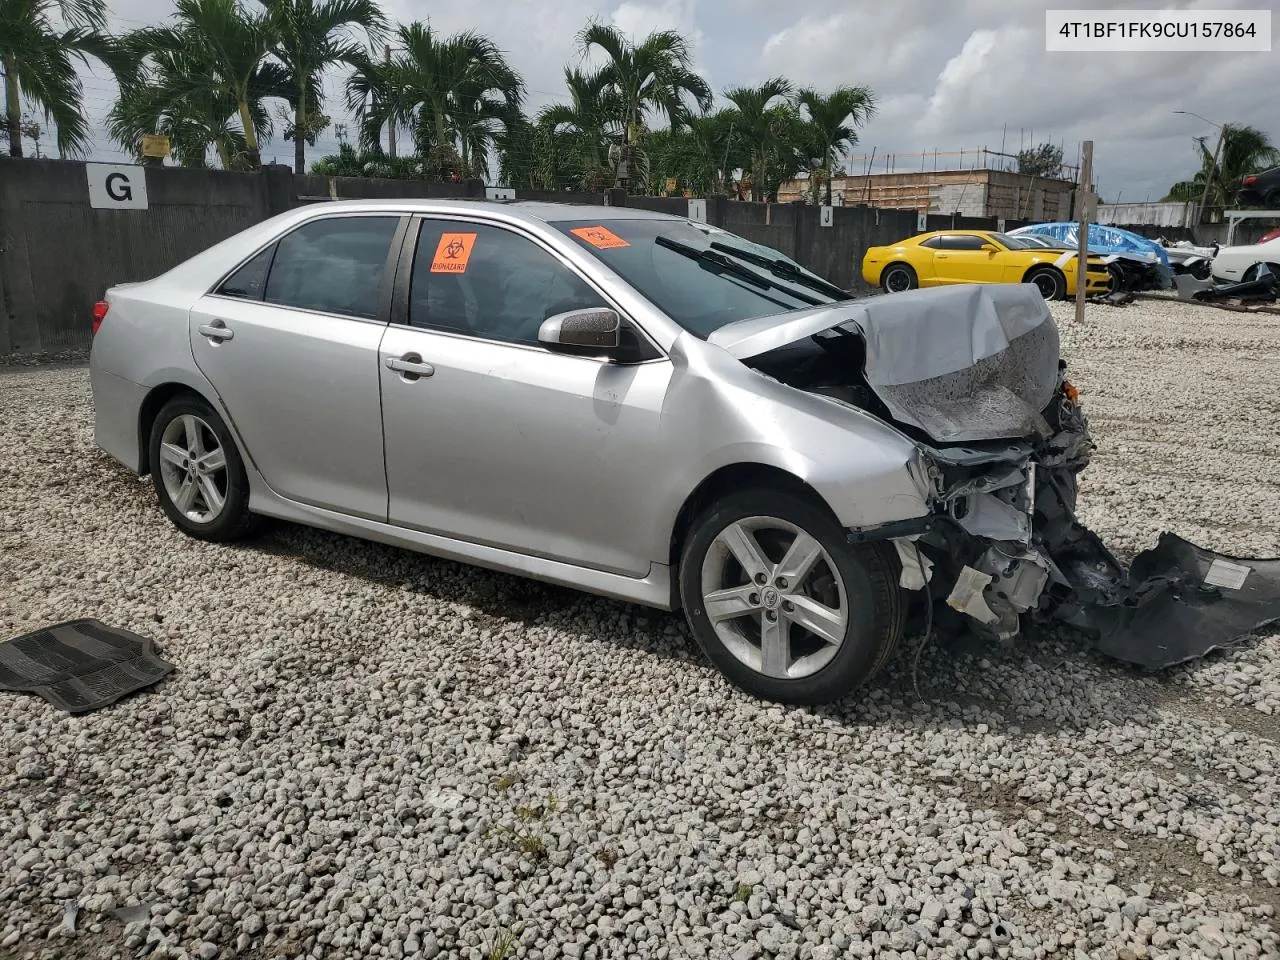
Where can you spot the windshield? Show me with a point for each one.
(702, 277)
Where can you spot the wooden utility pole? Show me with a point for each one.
(1084, 194)
(1213, 169)
(391, 122)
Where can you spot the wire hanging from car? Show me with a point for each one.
(928, 629)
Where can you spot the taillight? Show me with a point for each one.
(1250, 181)
(99, 314)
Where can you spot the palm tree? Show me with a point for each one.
(311, 35)
(1244, 150)
(203, 80)
(235, 45)
(162, 93)
(698, 155)
(38, 57)
(765, 122)
(454, 94)
(833, 119)
(584, 126)
(654, 76)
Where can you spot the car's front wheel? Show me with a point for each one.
(782, 604)
(198, 474)
(1050, 282)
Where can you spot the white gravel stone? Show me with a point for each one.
(366, 752)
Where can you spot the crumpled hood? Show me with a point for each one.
(963, 363)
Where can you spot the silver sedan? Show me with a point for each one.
(633, 404)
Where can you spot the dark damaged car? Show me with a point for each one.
(648, 408)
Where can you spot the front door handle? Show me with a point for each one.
(410, 366)
(217, 331)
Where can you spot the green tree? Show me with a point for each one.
(350, 162)
(203, 80)
(655, 76)
(833, 120)
(1044, 160)
(700, 155)
(234, 45)
(39, 59)
(767, 124)
(309, 36)
(1244, 150)
(577, 135)
(454, 95)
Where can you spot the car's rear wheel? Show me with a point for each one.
(898, 278)
(199, 477)
(782, 604)
(1050, 282)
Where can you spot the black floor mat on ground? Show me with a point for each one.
(80, 665)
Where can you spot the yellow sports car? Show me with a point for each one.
(979, 256)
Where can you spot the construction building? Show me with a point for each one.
(969, 193)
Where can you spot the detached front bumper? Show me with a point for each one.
(1004, 547)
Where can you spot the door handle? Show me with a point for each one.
(216, 331)
(410, 366)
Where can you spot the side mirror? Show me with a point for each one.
(594, 331)
(990, 248)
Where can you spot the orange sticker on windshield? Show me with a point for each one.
(599, 237)
(452, 253)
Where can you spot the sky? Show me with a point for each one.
(949, 74)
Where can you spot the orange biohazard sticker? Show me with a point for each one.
(599, 237)
(452, 253)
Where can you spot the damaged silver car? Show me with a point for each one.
(644, 407)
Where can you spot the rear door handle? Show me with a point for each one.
(410, 366)
(216, 331)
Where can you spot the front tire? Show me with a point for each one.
(199, 477)
(782, 604)
(1051, 284)
(898, 278)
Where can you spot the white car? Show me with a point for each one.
(1238, 263)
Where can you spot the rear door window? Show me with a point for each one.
(250, 281)
(335, 265)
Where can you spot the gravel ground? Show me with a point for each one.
(366, 752)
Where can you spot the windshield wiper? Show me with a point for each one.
(781, 268)
(731, 266)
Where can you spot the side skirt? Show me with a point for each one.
(653, 590)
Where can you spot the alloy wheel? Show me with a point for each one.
(193, 468)
(898, 281)
(1047, 284)
(774, 597)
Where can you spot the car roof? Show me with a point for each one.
(530, 210)
(954, 233)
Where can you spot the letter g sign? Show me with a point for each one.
(116, 186)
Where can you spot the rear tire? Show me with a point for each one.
(1050, 282)
(898, 278)
(755, 632)
(199, 477)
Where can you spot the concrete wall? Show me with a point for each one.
(1150, 214)
(58, 255)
